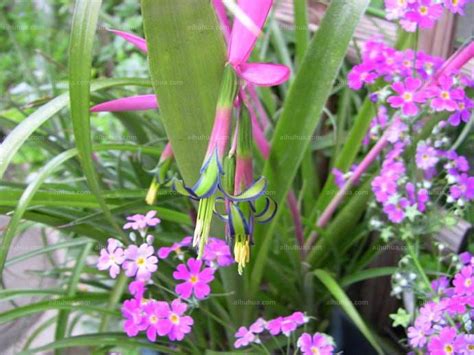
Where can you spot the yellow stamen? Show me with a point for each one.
(150, 198)
(174, 318)
(141, 261)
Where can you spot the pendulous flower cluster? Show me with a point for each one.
(148, 315)
(407, 86)
(444, 324)
(414, 14)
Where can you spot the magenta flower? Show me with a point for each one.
(383, 187)
(196, 281)
(445, 97)
(140, 222)
(171, 321)
(396, 211)
(286, 325)
(247, 336)
(154, 313)
(134, 317)
(424, 13)
(111, 258)
(463, 189)
(417, 335)
(274, 326)
(360, 75)
(339, 178)
(463, 113)
(164, 252)
(426, 156)
(408, 96)
(395, 9)
(140, 262)
(217, 253)
(464, 281)
(443, 343)
(242, 41)
(455, 6)
(317, 344)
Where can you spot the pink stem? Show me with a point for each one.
(167, 152)
(262, 114)
(222, 17)
(457, 60)
(220, 132)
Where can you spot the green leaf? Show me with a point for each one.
(302, 111)
(340, 296)
(62, 322)
(186, 56)
(25, 129)
(79, 303)
(367, 274)
(101, 339)
(25, 200)
(84, 23)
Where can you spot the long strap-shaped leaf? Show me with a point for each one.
(303, 108)
(25, 129)
(186, 56)
(84, 23)
(340, 296)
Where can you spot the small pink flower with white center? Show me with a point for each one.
(247, 336)
(111, 258)
(217, 253)
(140, 222)
(464, 281)
(171, 321)
(408, 96)
(318, 344)
(140, 262)
(196, 281)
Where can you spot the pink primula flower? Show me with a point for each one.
(111, 258)
(408, 96)
(140, 222)
(317, 344)
(195, 280)
(140, 262)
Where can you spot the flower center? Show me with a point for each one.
(174, 318)
(445, 95)
(402, 2)
(315, 350)
(461, 106)
(407, 96)
(141, 261)
(423, 10)
(455, 2)
(153, 319)
(448, 349)
(193, 279)
(468, 282)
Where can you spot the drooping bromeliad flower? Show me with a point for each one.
(242, 41)
(244, 198)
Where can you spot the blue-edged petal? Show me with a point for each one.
(256, 190)
(264, 213)
(237, 223)
(182, 189)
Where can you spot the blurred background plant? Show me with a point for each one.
(45, 189)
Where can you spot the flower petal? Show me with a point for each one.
(264, 74)
(242, 39)
(132, 103)
(138, 42)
